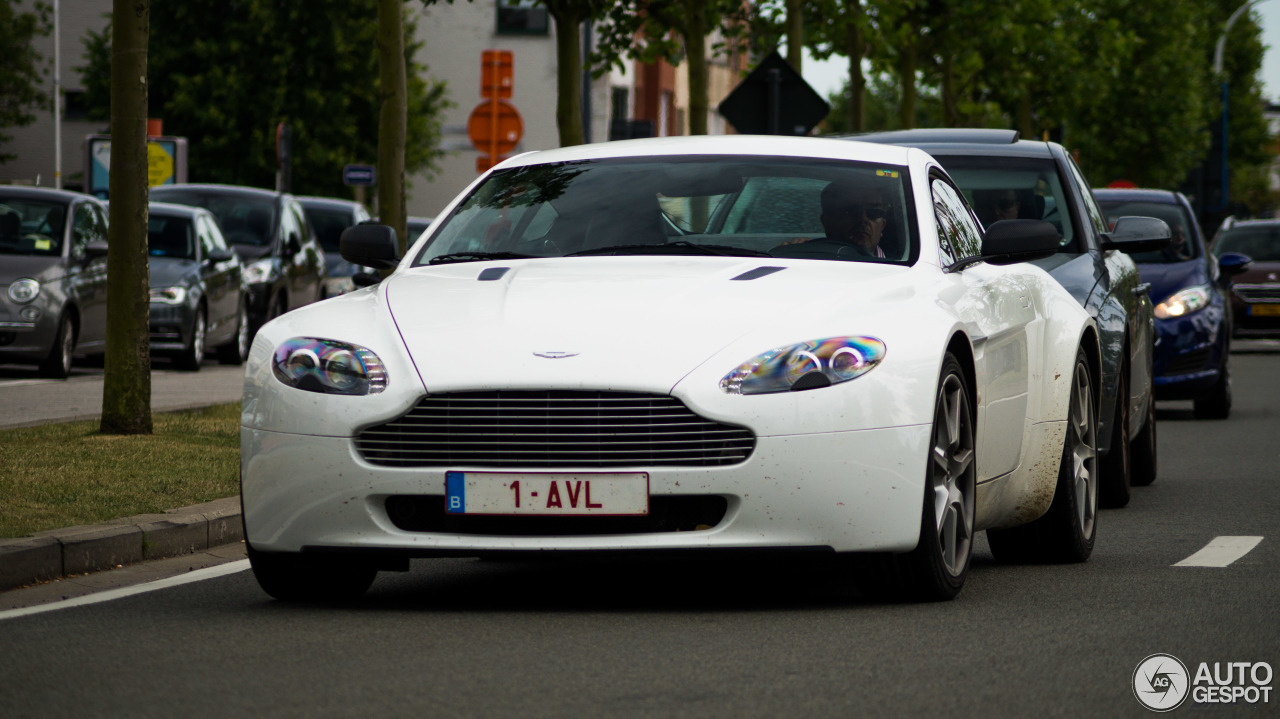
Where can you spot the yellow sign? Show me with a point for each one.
(159, 165)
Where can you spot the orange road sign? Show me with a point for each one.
(496, 73)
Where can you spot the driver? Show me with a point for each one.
(855, 214)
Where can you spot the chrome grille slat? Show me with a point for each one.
(553, 428)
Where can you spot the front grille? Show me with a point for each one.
(426, 513)
(553, 428)
(1257, 293)
(1193, 361)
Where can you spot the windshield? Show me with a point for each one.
(328, 225)
(170, 237)
(1181, 248)
(1014, 188)
(244, 219)
(31, 227)
(685, 205)
(1260, 242)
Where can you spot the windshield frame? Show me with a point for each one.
(712, 177)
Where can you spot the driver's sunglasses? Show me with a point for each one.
(874, 214)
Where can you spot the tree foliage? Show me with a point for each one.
(21, 66)
(224, 75)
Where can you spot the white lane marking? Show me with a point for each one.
(110, 594)
(1221, 552)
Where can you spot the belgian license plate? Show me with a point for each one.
(1267, 310)
(614, 494)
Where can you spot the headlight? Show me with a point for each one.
(806, 365)
(258, 271)
(329, 367)
(24, 290)
(169, 295)
(1185, 302)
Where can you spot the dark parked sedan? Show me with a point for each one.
(1255, 291)
(53, 277)
(1007, 178)
(1193, 324)
(284, 265)
(198, 296)
(329, 216)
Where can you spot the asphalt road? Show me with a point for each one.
(466, 638)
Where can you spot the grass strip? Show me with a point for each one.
(62, 475)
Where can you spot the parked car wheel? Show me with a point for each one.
(193, 354)
(1217, 405)
(1066, 532)
(1142, 463)
(1116, 469)
(58, 364)
(936, 568)
(235, 351)
(293, 578)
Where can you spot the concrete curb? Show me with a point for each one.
(55, 553)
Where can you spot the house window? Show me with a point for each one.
(620, 103)
(522, 17)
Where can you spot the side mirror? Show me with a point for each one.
(370, 245)
(292, 245)
(1010, 241)
(95, 249)
(1137, 234)
(220, 256)
(1233, 263)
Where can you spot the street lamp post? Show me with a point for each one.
(1222, 80)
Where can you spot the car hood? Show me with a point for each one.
(42, 269)
(1171, 277)
(1259, 273)
(643, 322)
(169, 271)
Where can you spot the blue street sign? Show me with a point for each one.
(359, 175)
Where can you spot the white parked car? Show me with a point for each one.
(699, 343)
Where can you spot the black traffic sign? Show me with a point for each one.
(774, 100)
(359, 175)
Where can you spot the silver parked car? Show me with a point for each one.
(329, 216)
(199, 299)
(53, 277)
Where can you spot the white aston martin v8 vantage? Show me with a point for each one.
(695, 343)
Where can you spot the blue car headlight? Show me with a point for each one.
(329, 367)
(1183, 302)
(805, 365)
(259, 271)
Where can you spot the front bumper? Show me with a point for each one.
(23, 336)
(1191, 353)
(847, 491)
(170, 326)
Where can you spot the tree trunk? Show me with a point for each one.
(126, 389)
(569, 76)
(907, 82)
(853, 49)
(392, 120)
(695, 41)
(795, 34)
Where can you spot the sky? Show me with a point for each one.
(828, 76)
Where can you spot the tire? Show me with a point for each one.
(57, 365)
(237, 350)
(293, 577)
(1143, 460)
(937, 567)
(190, 358)
(1067, 531)
(1217, 404)
(1116, 466)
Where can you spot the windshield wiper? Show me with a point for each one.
(672, 248)
(476, 257)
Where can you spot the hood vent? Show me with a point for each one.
(758, 272)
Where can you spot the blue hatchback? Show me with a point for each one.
(1193, 323)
